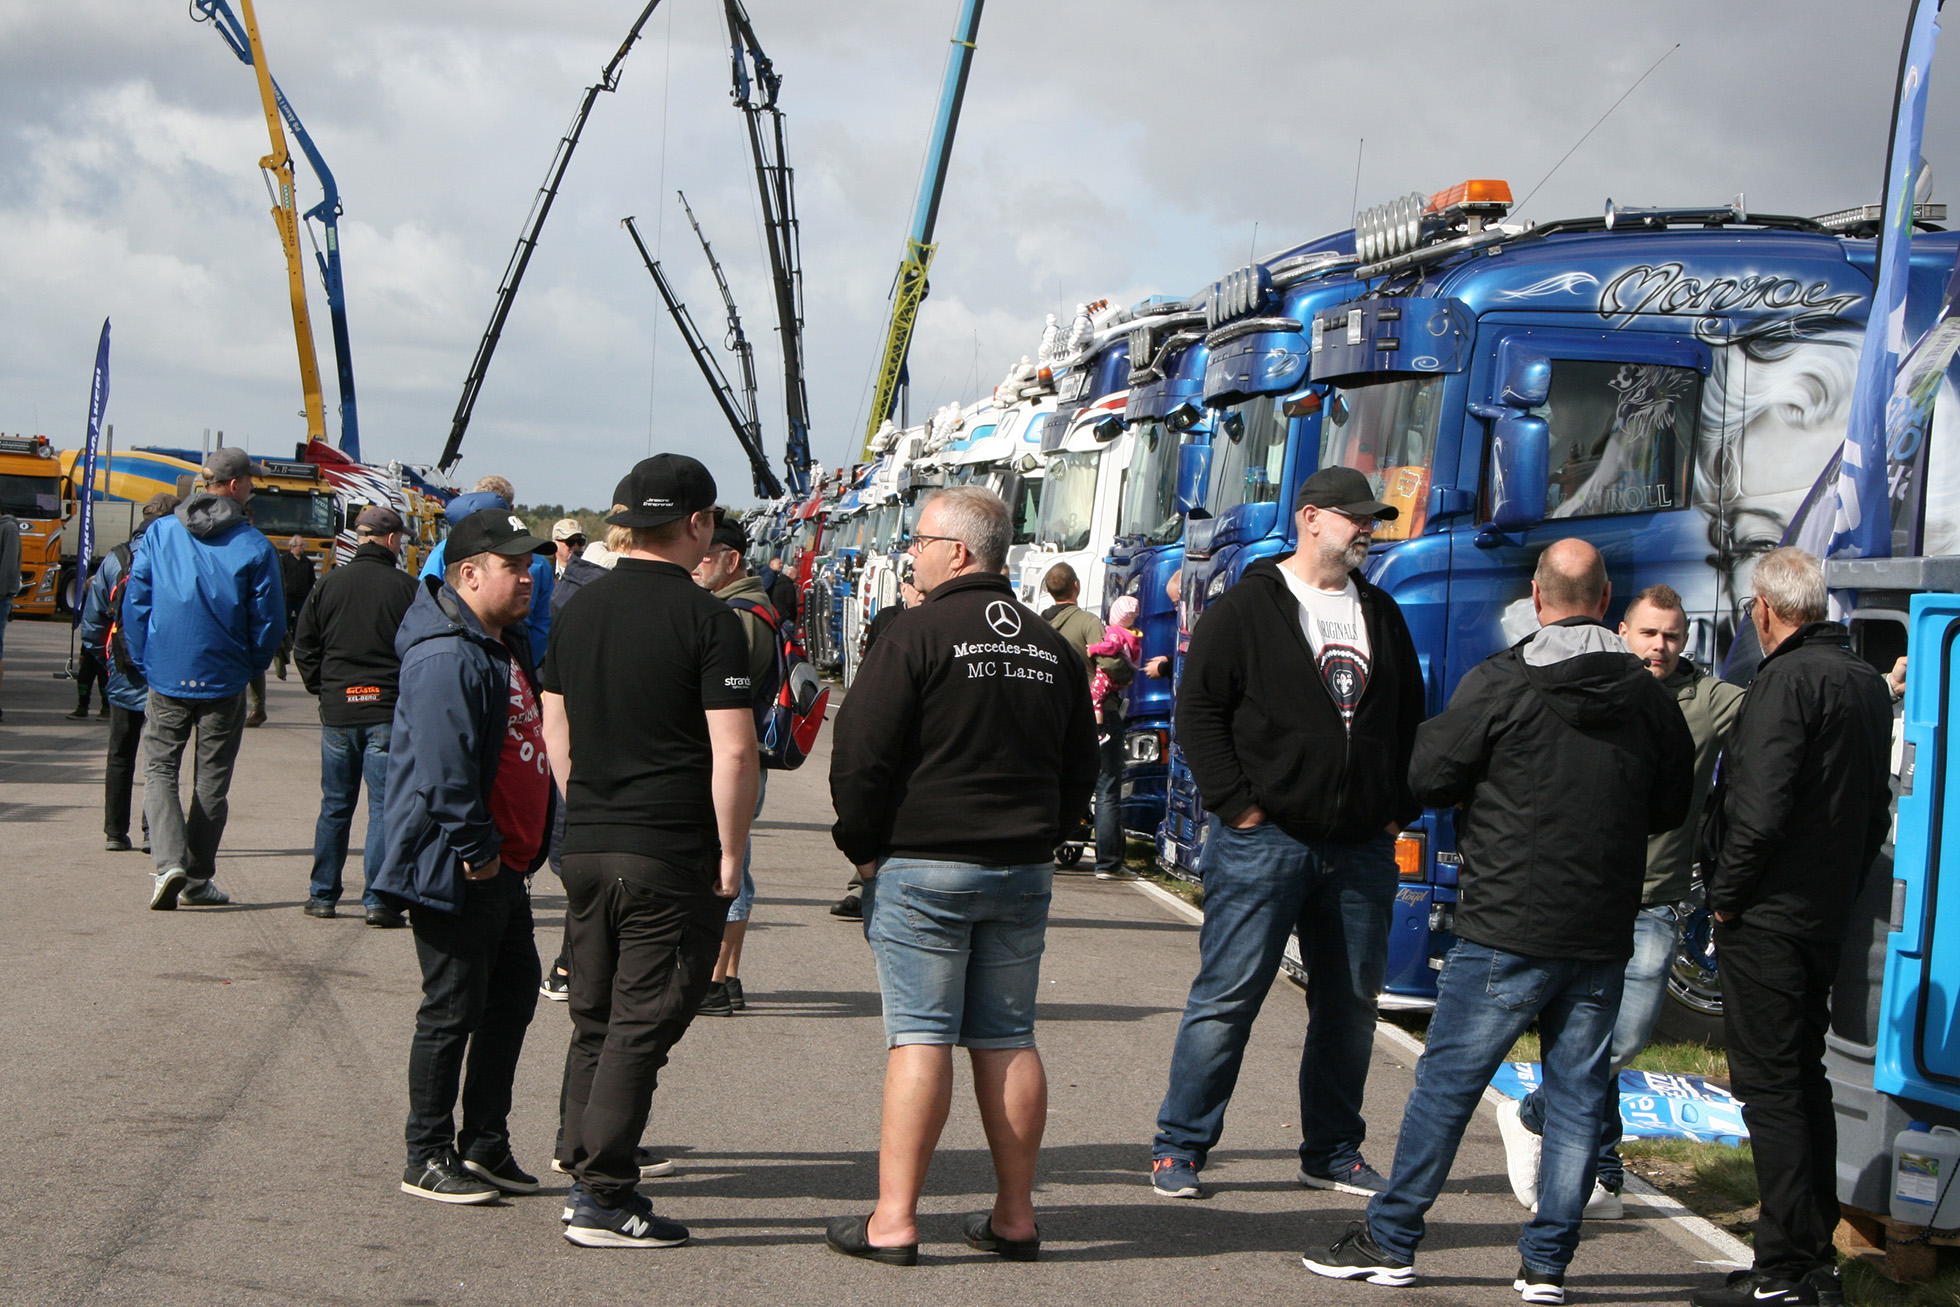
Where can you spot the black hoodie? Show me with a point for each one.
(1257, 725)
(1566, 754)
(344, 644)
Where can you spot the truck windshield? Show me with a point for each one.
(1387, 432)
(30, 496)
(282, 513)
(1026, 507)
(1068, 500)
(1149, 499)
(1247, 455)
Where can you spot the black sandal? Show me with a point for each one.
(980, 1234)
(850, 1235)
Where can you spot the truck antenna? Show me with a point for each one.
(1354, 205)
(1590, 130)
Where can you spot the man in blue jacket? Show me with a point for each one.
(466, 820)
(127, 695)
(495, 492)
(204, 612)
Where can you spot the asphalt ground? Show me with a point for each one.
(205, 1107)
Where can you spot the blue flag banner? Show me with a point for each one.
(98, 401)
(1861, 527)
(1653, 1104)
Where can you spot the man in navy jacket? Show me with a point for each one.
(467, 813)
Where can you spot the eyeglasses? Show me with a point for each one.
(1749, 608)
(913, 547)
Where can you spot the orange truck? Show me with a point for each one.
(35, 493)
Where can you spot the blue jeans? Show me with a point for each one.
(958, 948)
(1485, 998)
(348, 754)
(1655, 932)
(1110, 840)
(745, 898)
(1261, 885)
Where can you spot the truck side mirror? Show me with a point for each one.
(1520, 462)
(1193, 472)
(353, 516)
(1527, 376)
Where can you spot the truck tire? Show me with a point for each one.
(67, 592)
(1692, 1012)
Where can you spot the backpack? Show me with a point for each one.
(789, 711)
(115, 647)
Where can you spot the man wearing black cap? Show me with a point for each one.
(650, 723)
(203, 612)
(469, 802)
(344, 646)
(1297, 712)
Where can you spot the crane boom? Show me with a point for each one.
(746, 430)
(909, 291)
(775, 184)
(285, 215)
(737, 340)
(327, 213)
(527, 241)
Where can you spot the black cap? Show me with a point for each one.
(663, 489)
(492, 531)
(1345, 491)
(729, 532)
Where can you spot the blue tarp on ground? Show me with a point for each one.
(1653, 1104)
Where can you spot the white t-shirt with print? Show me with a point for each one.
(1338, 636)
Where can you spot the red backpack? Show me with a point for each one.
(789, 710)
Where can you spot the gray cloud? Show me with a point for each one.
(1107, 149)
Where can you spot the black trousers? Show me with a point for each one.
(89, 671)
(1110, 841)
(479, 990)
(1776, 1006)
(644, 936)
(119, 775)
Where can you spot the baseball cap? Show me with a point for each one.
(228, 463)
(1345, 491)
(565, 528)
(493, 531)
(663, 489)
(729, 532)
(378, 519)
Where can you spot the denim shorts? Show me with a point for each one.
(958, 948)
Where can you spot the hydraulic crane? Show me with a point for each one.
(527, 241)
(327, 213)
(278, 167)
(910, 289)
(736, 341)
(755, 95)
(747, 430)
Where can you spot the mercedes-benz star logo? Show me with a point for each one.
(1004, 618)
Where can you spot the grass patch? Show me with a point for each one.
(1864, 1286)
(1140, 856)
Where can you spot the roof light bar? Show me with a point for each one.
(1864, 214)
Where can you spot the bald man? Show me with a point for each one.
(1566, 754)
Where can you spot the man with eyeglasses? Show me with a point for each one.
(1297, 713)
(965, 742)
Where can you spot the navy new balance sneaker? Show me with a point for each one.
(1356, 1256)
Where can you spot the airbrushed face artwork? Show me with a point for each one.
(1771, 418)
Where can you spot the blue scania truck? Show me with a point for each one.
(1670, 385)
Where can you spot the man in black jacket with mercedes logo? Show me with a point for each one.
(1297, 709)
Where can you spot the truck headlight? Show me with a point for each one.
(1141, 748)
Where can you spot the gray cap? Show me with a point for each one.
(378, 519)
(228, 463)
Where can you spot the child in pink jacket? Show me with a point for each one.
(1120, 639)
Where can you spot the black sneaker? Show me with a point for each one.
(1827, 1284)
(1356, 1256)
(443, 1178)
(735, 998)
(1539, 1286)
(630, 1225)
(116, 844)
(79, 715)
(505, 1173)
(315, 908)
(652, 1165)
(850, 907)
(385, 919)
(1748, 1288)
(715, 1002)
(1360, 1179)
(557, 986)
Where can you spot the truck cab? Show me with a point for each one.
(1086, 453)
(37, 494)
(294, 498)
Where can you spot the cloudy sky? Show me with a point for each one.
(1109, 148)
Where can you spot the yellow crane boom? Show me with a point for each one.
(285, 215)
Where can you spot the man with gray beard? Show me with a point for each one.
(1297, 711)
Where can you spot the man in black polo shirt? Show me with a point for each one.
(650, 729)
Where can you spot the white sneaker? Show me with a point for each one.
(1605, 1204)
(1520, 1153)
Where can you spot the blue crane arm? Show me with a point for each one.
(327, 213)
